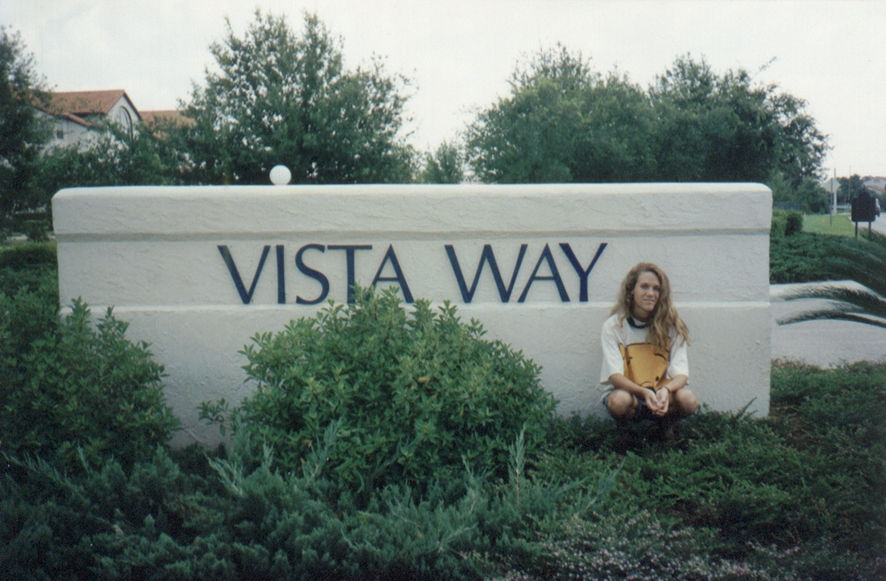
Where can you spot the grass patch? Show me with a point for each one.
(839, 225)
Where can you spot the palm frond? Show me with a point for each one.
(858, 268)
(861, 261)
(830, 315)
(857, 304)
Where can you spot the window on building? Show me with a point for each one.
(125, 120)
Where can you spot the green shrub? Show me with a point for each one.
(786, 223)
(794, 496)
(29, 267)
(28, 312)
(419, 395)
(106, 522)
(734, 475)
(779, 223)
(19, 256)
(794, 223)
(81, 392)
(803, 257)
(37, 230)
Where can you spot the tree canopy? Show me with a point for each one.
(22, 131)
(444, 166)
(564, 122)
(278, 98)
(726, 128)
(850, 188)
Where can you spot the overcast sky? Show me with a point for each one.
(460, 53)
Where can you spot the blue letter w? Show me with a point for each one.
(488, 256)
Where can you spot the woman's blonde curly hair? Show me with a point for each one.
(665, 318)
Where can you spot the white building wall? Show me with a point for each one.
(158, 256)
(68, 133)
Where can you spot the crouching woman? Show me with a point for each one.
(645, 368)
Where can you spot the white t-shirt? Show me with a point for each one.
(617, 332)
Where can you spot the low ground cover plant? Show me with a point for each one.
(797, 495)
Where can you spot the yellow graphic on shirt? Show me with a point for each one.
(644, 364)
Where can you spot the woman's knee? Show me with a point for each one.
(686, 401)
(621, 404)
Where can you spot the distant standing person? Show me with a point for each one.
(645, 369)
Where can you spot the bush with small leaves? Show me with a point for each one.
(420, 395)
(82, 392)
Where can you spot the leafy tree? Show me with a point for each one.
(22, 131)
(444, 166)
(726, 128)
(850, 188)
(809, 196)
(563, 122)
(275, 97)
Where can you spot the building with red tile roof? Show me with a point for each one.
(78, 113)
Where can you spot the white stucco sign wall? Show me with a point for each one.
(198, 270)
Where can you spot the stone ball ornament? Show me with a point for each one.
(280, 175)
